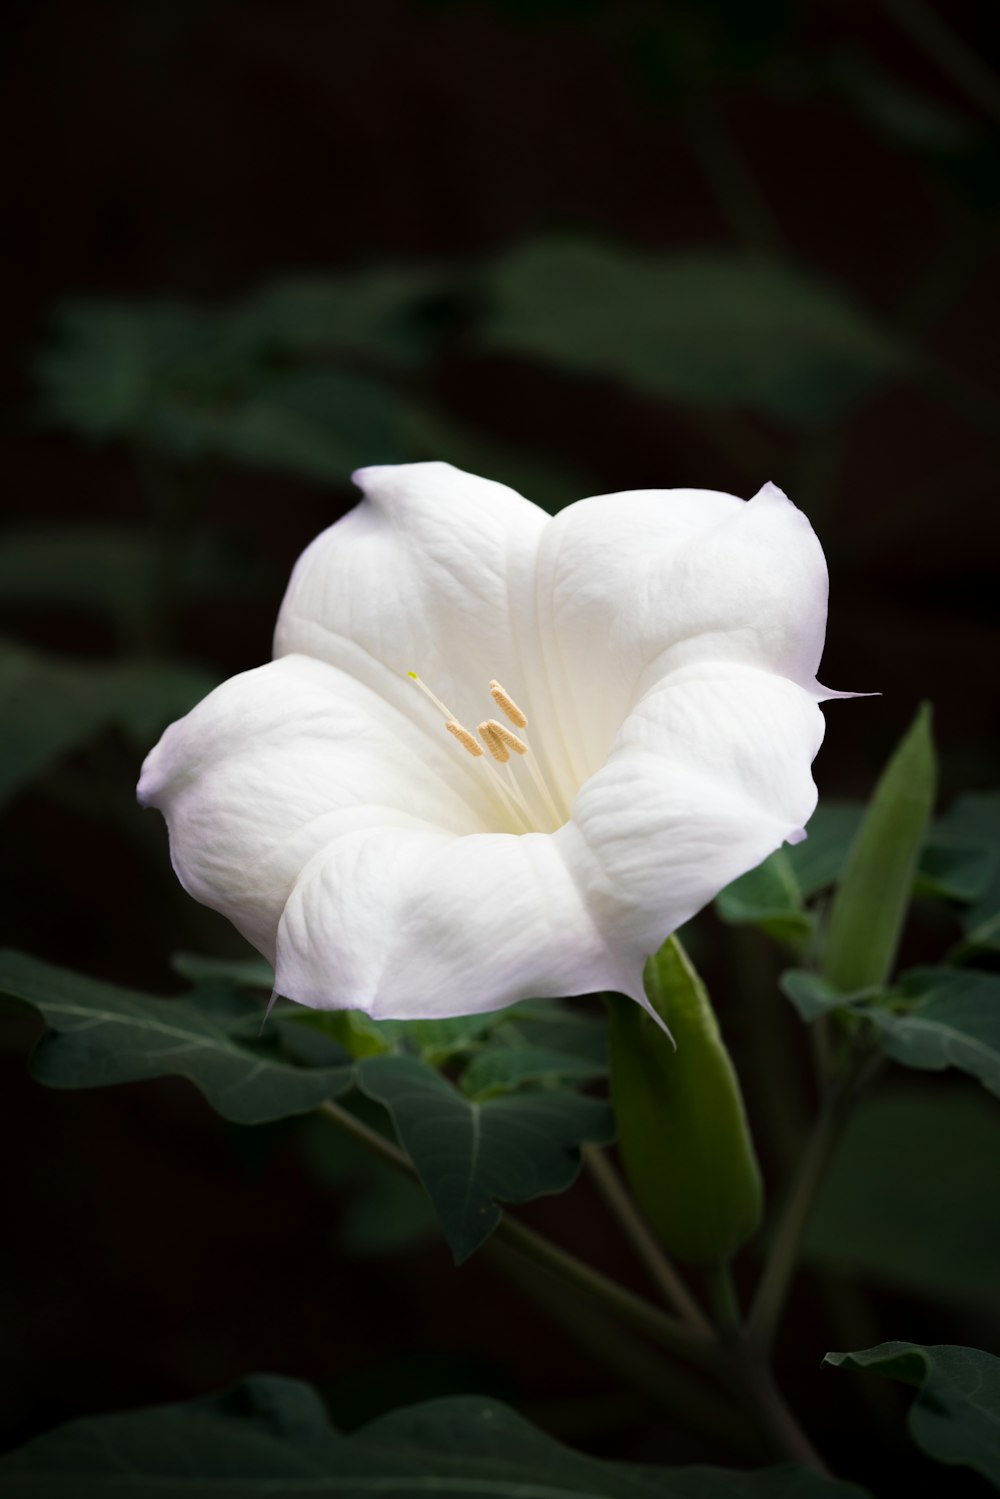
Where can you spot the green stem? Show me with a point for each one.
(751, 1377)
(723, 1298)
(947, 51)
(775, 1282)
(659, 1268)
(633, 1310)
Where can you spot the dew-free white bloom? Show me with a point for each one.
(662, 646)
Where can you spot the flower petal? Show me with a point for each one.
(708, 775)
(634, 585)
(277, 762)
(413, 924)
(425, 574)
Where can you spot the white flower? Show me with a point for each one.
(661, 646)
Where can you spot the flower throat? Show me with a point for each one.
(498, 744)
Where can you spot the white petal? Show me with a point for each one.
(708, 775)
(634, 585)
(276, 763)
(426, 574)
(410, 924)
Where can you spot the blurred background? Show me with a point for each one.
(580, 247)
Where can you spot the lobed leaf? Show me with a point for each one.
(956, 1415)
(271, 1435)
(472, 1155)
(100, 1034)
(952, 1019)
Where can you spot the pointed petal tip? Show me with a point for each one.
(772, 492)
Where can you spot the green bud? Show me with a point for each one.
(866, 918)
(682, 1128)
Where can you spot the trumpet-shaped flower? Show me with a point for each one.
(500, 754)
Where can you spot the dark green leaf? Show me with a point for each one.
(242, 973)
(956, 1415)
(52, 706)
(951, 1019)
(707, 329)
(501, 1069)
(769, 897)
(868, 910)
(317, 423)
(819, 858)
(683, 1132)
(812, 996)
(381, 314)
(905, 1202)
(270, 1435)
(100, 1034)
(973, 823)
(473, 1156)
(106, 359)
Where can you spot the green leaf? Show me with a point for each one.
(52, 706)
(818, 860)
(710, 329)
(271, 1435)
(903, 1203)
(769, 897)
(952, 1019)
(242, 973)
(956, 1415)
(471, 1156)
(812, 996)
(99, 370)
(682, 1128)
(318, 423)
(380, 313)
(100, 1034)
(501, 1069)
(866, 918)
(973, 824)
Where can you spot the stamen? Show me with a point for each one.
(493, 742)
(506, 702)
(439, 705)
(505, 737)
(465, 739)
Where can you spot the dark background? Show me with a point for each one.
(197, 151)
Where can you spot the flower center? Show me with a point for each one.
(525, 798)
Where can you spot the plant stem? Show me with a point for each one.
(751, 1377)
(632, 1309)
(775, 1282)
(663, 1274)
(722, 1295)
(955, 58)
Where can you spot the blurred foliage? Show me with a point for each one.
(954, 1417)
(706, 329)
(269, 1432)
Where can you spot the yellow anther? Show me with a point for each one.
(504, 701)
(507, 739)
(493, 742)
(465, 739)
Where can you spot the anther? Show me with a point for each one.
(465, 739)
(493, 742)
(504, 701)
(506, 738)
